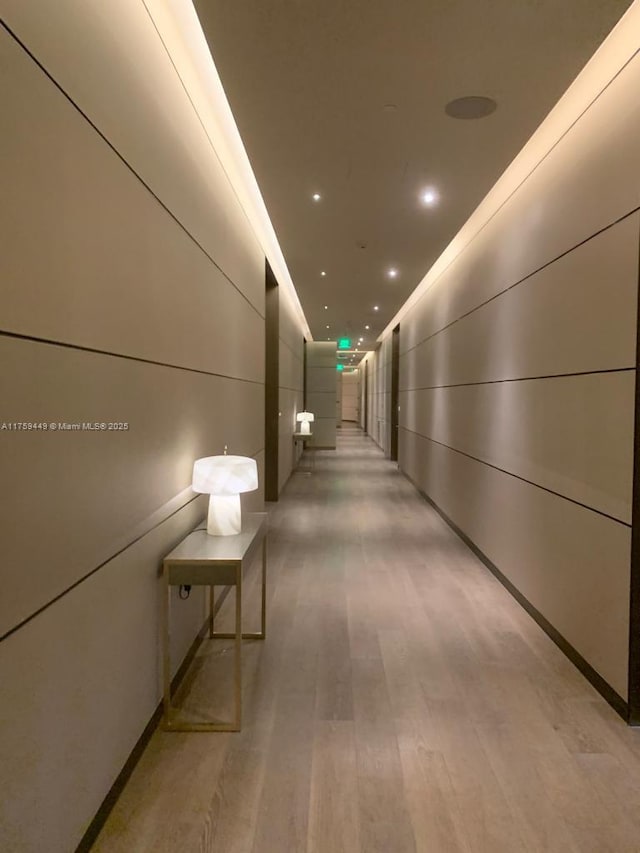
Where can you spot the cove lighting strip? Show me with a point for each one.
(179, 28)
(612, 55)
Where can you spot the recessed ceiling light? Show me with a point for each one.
(392, 273)
(429, 197)
(326, 307)
(316, 196)
(323, 273)
(376, 308)
(472, 106)
(366, 327)
(328, 327)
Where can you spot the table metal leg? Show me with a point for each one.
(212, 604)
(238, 661)
(166, 648)
(263, 632)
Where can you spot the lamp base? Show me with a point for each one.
(224, 517)
(304, 427)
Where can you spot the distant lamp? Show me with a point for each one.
(304, 419)
(224, 478)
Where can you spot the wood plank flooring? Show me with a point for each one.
(402, 702)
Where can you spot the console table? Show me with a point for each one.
(204, 560)
(304, 437)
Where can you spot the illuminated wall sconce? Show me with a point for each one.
(304, 419)
(224, 478)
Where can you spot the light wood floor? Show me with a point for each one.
(402, 702)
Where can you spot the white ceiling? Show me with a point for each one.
(310, 83)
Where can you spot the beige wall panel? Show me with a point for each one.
(322, 391)
(290, 368)
(322, 404)
(324, 432)
(573, 435)
(570, 563)
(87, 493)
(92, 258)
(109, 58)
(290, 330)
(321, 354)
(380, 396)
(291, 381)
(350, 389)
(550, 324)
(80, 682)
(585, 183)
(322, 380)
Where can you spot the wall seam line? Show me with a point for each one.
(522, 479)
(101, 565)
(520, 379)
(521, 280)
(126, 163)
(81, 348)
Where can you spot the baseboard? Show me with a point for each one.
(100, 818)
(593, 677)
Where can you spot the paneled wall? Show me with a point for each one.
(291, 386)
(379, 402)
(517, 379)
(362, 392)
(132, 293)
(350, 389)
(322, 391)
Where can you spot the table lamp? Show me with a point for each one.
(224, 478)
(304, 419)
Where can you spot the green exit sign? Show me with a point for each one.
(339, 366)
(344, 343)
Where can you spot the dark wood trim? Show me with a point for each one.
(593, 677)
(395, 393)
(304, 374)
(634, 600)
(271, 385)
(366, 397)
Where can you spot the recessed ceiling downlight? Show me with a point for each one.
(472, 106)
(429, 197)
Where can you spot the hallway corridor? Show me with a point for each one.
(402, 701)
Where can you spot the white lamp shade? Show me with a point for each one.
(305, 417)
(225, 475)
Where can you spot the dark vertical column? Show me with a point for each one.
(304, 374)
(366, 396)
(634, 615)
(271, 385)
(395, 396)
